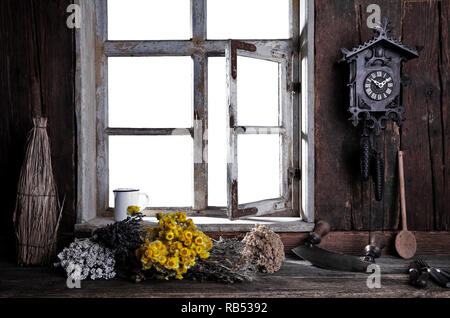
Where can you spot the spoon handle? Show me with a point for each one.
(402, 190)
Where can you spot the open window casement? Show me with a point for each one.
(277, 139)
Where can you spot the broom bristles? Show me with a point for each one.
(38, 211)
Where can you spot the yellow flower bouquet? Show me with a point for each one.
(172, 247)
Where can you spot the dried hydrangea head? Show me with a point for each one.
(265, 247)
(86, 259)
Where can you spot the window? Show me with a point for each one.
(199, 104)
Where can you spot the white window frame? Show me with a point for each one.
(92, 52)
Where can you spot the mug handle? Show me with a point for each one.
(141, 208)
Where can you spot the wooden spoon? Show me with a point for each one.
(405, 242)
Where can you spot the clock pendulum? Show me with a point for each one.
(375, 93)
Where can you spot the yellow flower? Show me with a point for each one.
(184, 252)
(159, 215)
(171, 226)
(181, 216)
(132, 210)
(198, 249)
(162, 259)
(158, 244)
(180, 277)
(181, 269)
(172, 263)
(156, 253)
(199, 240)
(169, 236)
(179, 245)
(204, 254)
(188, 235)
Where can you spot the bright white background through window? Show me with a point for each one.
(156, 92)
(149, 19)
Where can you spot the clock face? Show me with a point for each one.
(378, 85)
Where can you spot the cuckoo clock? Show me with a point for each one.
(375, 87)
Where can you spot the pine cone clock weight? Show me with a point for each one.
(378, 175)
(364, 159)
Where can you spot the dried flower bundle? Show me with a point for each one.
(265, 247)
(122, 237)
(87, 259)
(173, 246)
(225, 264)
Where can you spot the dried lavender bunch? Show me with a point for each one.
(225, 264)
(122, 237)
(86, 259)
(265, 247)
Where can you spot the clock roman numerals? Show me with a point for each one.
(378, 85)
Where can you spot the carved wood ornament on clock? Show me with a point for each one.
(375, 94)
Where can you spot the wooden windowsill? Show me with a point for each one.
(216, 224)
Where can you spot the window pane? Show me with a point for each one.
(217, 138)
(161, 166)
(257, 92)
(150, 92)
(149, 19)
(258, 167)
(248, 19)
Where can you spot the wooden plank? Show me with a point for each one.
(56, 55)
(294, 72)
(259, 130)
(148, 131)
(180, 47)
(336, 140)
(353, 243)
(101, 106)
(200, 131)
(85, 102)
(200, 109)
(16, 108)
(295, 279)
(232, 168)
(443, 180)
(286, 143)
(306, 133)
(198, 11)
(421, 134)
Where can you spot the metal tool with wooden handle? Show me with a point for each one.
(405, 242)
(321, 229)
(373, 250)
(325, 259)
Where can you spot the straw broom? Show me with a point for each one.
(38, 211)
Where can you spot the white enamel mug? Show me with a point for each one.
(125, 197)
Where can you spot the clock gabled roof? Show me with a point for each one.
(381, 38)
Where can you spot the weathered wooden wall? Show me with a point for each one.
(36, 64)
(341, 197)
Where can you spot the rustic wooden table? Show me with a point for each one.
(295, 279)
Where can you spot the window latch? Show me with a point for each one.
(295, 173)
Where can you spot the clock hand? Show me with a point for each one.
(377, 83)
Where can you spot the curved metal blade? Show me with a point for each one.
(329, 260)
